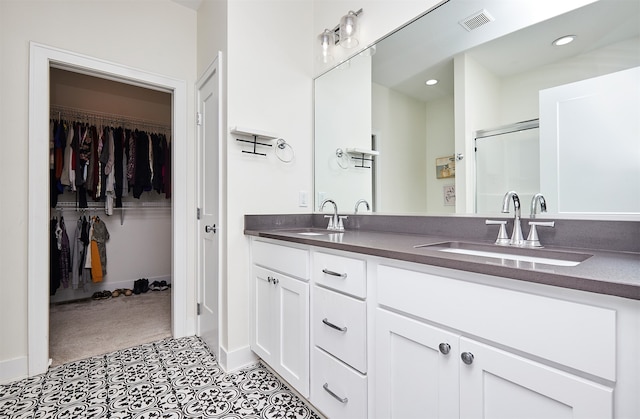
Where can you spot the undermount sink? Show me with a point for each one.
(311, 232)
(517, 254)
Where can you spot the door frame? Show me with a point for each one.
(42, 57)
(213, 68)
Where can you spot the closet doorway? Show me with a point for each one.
(43, 58)
(111, 154)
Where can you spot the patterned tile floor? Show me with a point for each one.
(171, 378)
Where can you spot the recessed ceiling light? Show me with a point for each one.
(564, 40)
(431, 82)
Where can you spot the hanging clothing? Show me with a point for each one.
(100, 236)
(142, 176)
(96, 266)
(54, 258)
(65, 254)
(118, 136)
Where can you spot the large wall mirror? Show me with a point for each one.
(510, 111)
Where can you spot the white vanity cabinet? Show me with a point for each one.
(339, 335)
(280, 315)
(371, 337)
(453, 348)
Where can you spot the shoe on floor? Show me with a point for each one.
(155, 286)
(97, 295)
(137, 286)
(164, 286)
(127, 292)
(116, 293)
(106, 294)
(144, 287)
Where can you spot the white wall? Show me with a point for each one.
(476, 107)
(158, 37)
(139, 248)
(440, 143)
(399, 122)
(267, 78)
(379, 18)
(343, 121)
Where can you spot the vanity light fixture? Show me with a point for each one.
(564, 40)
(345, 34)
(326, 43)
(431, 82)
(349, 29)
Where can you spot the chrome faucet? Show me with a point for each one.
(534, 204)
(361, 201)
(516, 235)
(532, 239)
(335, 223)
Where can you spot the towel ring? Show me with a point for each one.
(284, 151)
(342, 158)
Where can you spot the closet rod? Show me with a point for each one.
(65, 112)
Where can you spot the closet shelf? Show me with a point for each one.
(128, 206)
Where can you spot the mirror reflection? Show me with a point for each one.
(383, 135)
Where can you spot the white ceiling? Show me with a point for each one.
(424, 49)
(191, 4)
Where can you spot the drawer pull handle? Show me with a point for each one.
(335, 396)
(328, 323)
(328, 272)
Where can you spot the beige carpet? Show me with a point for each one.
(87, 328)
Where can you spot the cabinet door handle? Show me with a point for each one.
(332, 273)
(467, 358)
(328, 323)
(272, 280)
(335, 396)
(209, 229)
(444, 348)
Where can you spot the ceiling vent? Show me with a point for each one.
(476, 20)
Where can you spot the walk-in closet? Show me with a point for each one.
(110, 215)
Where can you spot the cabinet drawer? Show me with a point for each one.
(340, 327)
(349, 388)
(565, 332)
(284, 259)
(341, 273)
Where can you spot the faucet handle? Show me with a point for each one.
(340, 226)
(330, 226)
(532, 238)
(503, 237)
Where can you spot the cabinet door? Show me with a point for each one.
(414, 378)
(292, 316)
(264, 331)
(498, 384)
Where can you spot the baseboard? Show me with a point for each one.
(69, 294)
(234, 360)
(14, 369)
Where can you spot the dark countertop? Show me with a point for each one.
(614, 273)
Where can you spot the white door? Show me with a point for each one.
(498, 385)
(416, 369)
(264, 334)
(293, 324)
(208, 206)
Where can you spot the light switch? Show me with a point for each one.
(303, 199)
